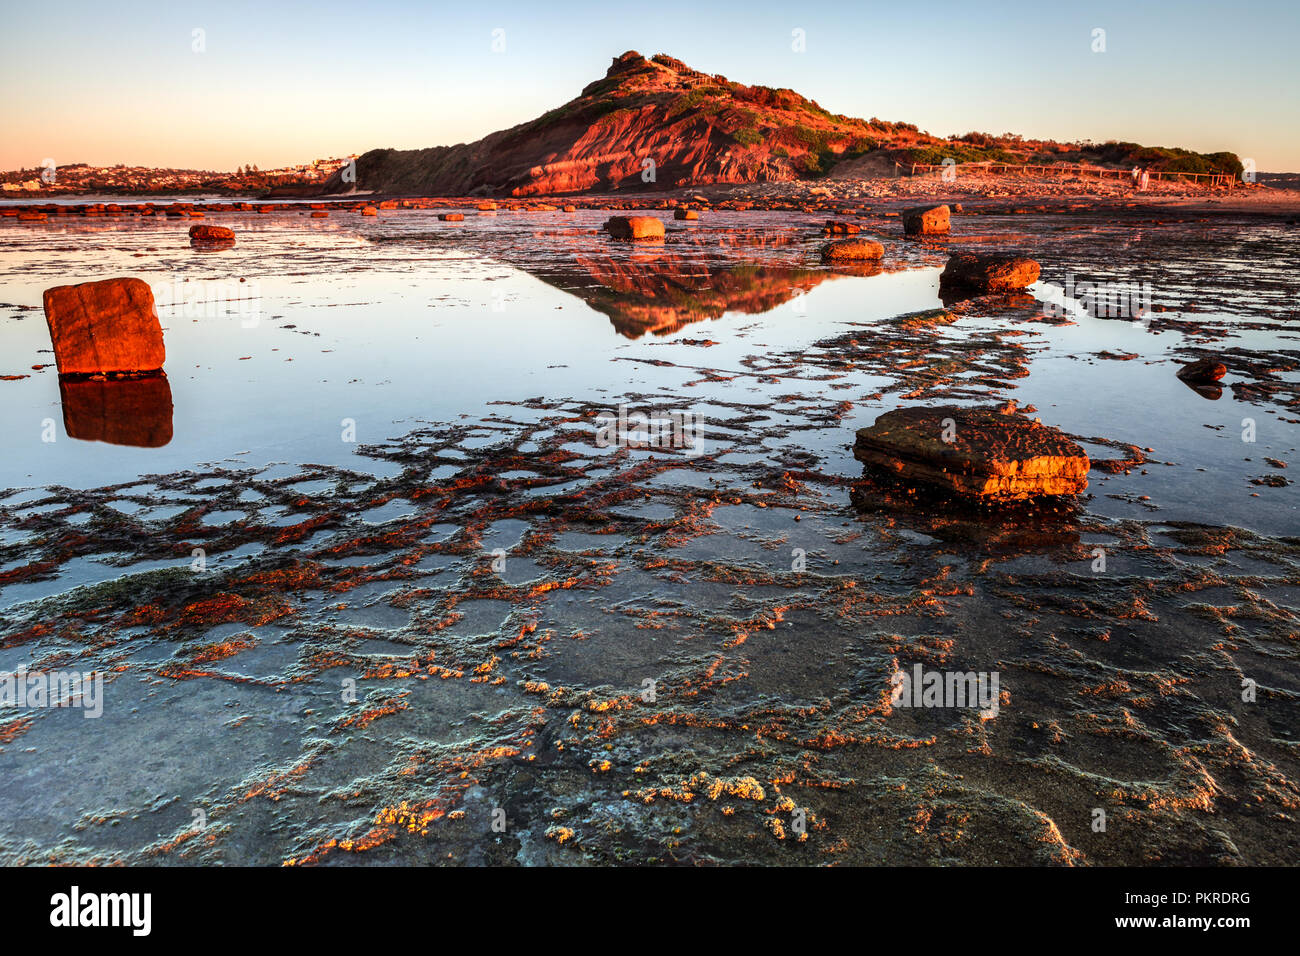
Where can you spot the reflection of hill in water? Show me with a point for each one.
(661, 292)
(659, 287)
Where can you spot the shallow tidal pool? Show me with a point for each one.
(365, 586)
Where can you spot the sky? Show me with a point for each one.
(274, 84)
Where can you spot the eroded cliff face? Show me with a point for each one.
(647, 124)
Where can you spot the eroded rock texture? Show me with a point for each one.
(979, 452)
(108, 326)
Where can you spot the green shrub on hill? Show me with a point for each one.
(960, 153)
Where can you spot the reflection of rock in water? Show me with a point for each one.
(211, 245)
(131, 411)
(955, 295)
(861, 268)
(1048, 527)
(661, 294)
(1211, 391)
(988, 452)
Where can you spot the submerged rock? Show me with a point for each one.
(451, 216)
(1039, 526)
(635, 227)
(983, 453)
(107, 326)
(681, 213)
(926, 221)
(1205, 371)
(853, 249)
(986, 273)
(923, 320)
(211, 234)
(833, 228)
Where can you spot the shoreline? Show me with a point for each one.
(987, 195)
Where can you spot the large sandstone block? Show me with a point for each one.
(984, 273)
(107, 326)
(983, 453)
(1204, 371)
(842, 249)
(833, 228)
(635, 227)
(212, 234)
(927, 221)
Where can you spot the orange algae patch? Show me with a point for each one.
(411, 818)
(560, 835)
(485, 669)
(218, 609)
(1063, 852)
(205, 655)
(604, 706)
(703, 784)
(274, 786)
(371, 714)
(14, 729)
(223, 649)
(414, 818)
(168, 846)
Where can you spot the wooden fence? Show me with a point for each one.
(1064, 169)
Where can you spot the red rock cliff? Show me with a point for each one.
(695, 129)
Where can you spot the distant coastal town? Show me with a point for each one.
(49, 179)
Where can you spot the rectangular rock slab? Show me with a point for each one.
(927, 221)
(635, 227)
(107, 326)
(983, 453)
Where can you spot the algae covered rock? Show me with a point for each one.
(981, 453)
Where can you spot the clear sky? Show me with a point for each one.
(277, 84)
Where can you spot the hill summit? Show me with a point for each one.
(659, 124)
